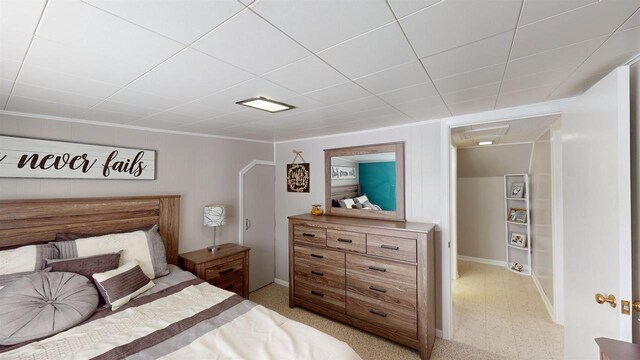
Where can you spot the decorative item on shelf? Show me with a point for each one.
(316, 210)
(518, 239)
(517, 190)
(517, 215)
(516, 267)
(298, 175)
(214, 215)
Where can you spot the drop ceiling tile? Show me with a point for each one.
(490, 51)
(576, 85)
(471, 94)
(250, 43)
(34, 106)
(588, 22)
(473, 106)
(523, 97)
(306, 75)
(46, 78)
(18, 20)
(132, 97)
(420, 108)
(633, 22)
(166, 120)
(537, 79)
(237, 118)
(5, 86)
(225, 100)
(338, 94)
(571, 55)
(454, 23)
(420, 91)
(394, 78)
(54, 96)
(128, 109)
(474, 78)
(618, 49)
(196, 111)
(172, 18)
(536, 10)
(189, 75)
(4, 98)
(9, 69)
(303, 103)
(372, 52)
(106, 116)
(75, 24)
(320, 24)
(354, 106)
(403, 8)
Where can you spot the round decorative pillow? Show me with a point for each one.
(43, 304)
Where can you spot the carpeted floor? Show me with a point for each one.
(371, 347)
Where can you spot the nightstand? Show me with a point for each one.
(227, 268)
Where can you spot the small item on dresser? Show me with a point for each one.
(316, 210)
(119, 286)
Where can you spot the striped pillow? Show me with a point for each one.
(26, 258)
(120, 285)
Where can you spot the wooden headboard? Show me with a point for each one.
(33, 221)
(345, 191)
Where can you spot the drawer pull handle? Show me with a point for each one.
(375, 288)
(225, 271)
(389, 247)
(317, 293)
(317, 273)
(317, 256)
(345, 240)
(308, 235)
(375, 268)
(379, 313)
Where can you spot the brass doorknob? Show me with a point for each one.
(600, 299)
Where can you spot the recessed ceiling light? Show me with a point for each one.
(482, 143)
(266, 104)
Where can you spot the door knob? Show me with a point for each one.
(601, 299)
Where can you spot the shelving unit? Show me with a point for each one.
(521, 255)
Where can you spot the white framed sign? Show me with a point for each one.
(37, 158)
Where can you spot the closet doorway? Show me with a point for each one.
(257, 215)
(507, 293)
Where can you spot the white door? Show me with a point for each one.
(259, 224)
(597, 214)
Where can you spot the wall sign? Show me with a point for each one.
(298, 175)
(35, 158)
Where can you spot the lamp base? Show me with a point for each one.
(213, 248)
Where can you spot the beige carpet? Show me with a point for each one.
(369, 347)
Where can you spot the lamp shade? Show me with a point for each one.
(214, 215)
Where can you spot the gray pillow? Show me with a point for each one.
(43, 304)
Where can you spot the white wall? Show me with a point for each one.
(422, 184)
(635, 188)
(541, 216)
(201, 169)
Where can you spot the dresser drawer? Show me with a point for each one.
(347, 240)
(395, 318)
(319, 273)
(235, 285)
(311, 256)
(221, 272)
(387, 281)
(329, 297)
(310, 234)
(391, 247)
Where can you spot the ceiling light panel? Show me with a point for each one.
(266, 104)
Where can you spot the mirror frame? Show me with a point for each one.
(395, 147)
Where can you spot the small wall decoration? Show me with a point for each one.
(298, 175)
(517, 215)
(517, 190)
(343, 172)
(518, 239)
(36, 158)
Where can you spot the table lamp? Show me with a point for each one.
(214, 215)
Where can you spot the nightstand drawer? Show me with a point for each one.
(221, 272)
(234, 285)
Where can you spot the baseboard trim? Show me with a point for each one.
(482, 260)
(439, 333)
(545, 300)
(281, 282)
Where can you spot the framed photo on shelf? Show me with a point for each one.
(517, 190)
(518, 239)
(517, 215)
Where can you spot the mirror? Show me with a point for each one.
(365, 181)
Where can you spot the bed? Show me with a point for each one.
(180, 317)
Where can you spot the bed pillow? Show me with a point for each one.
(43, 304)
(361, 199)
(26, 258)
(86, 266)
(11, 278)
(146, 247)
(121, 285)
(347, 203)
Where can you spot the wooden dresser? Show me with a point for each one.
(376, 275)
